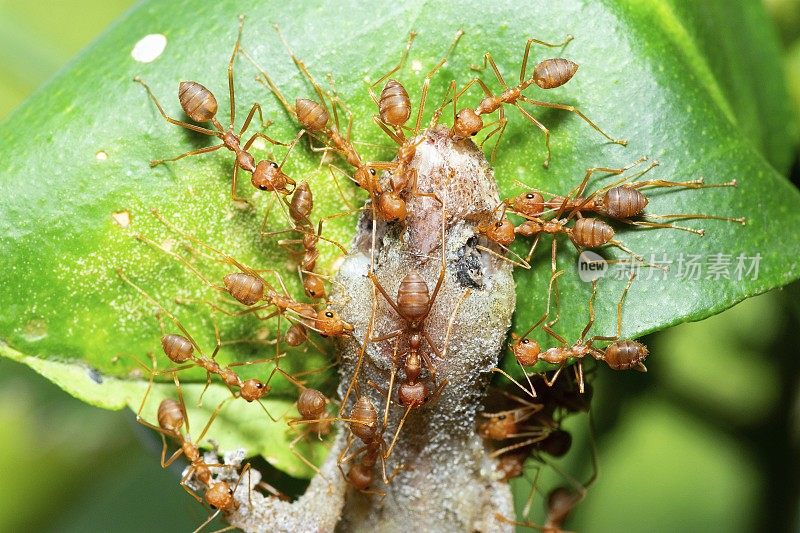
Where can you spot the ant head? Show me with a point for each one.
(525, 350)
(467, 124)
(253, 389)
(330, 324)
(268, 176)
(391, 207)
(364, 176)
(527, 203)
(360, 476)
(313, 286)
(498, 427)
(220, 496)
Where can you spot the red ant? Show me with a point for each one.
(548, 74)
(180, 349)
(619, 201)
(172, 419)
(200, 105)
(619, 355)
(249, 288)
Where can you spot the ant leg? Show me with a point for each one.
(658, 225)
(362, 351)
(426, 84)
(305, 460)
(573, 109)
(694, 216)
(388, 298)
(543, 128)
(227, 258)
(553, 283)
(148, 297)
(591, 311)
(259, 135)
(208, 521)
(524, 67)
(250, 115)
(487, 59)
(443, 265)
(291, 147)
(533, 247)
(302, 67)
(207, 149)
(265, 79)
(612, 171)
(397, 433)
(171, 120)
(211, 420)
(691, 184)
(531, 392)
(234, 196)
(501, 122)
(231, 91)
(331, 169)
(411, 36)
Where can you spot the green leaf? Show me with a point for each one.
(644, 75)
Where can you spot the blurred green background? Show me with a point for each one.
(706, 441)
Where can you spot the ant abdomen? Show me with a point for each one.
(591, 232)
(311, 404)
(557, 443)
(312, 115)
(246, 288)
(413, 298)
(170, 415)
(626, 354)
(177, 348)
(295, 335)
(412, 394)
(552, 73)
(365, 419)
(197, 102)
(394, 104)
(623, 202)
(302, 203)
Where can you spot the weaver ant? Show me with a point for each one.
(548, 74)
(200, 105)
(172, 420)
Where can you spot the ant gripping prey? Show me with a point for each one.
(200, 105)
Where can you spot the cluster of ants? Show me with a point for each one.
(522, 428)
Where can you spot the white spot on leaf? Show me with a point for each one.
(101, 156)
(122, 218)
(149, 48)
